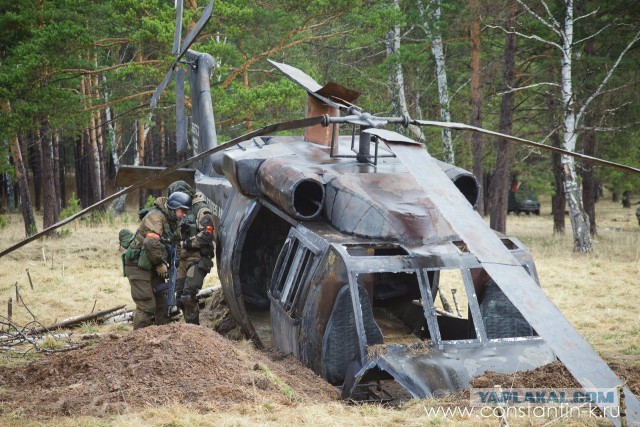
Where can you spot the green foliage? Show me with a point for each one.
(284, 387)
(150, 201)
(73, 207)
(89, 328)
(47, 48)
(3, 222)
(50, 343)
(99, 217)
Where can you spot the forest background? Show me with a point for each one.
(76, 77)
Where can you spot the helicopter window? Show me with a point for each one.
(392, 297)
(462, 246)
(453, 305)
(296, 265)
(500, 317)
(375, 250)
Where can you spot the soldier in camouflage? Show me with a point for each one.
(146, 259)
(196, 251)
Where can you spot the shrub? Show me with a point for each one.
(73, 207)
(150, 200)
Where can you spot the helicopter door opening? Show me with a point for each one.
(264, 240)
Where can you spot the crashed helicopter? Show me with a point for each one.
(365, 251)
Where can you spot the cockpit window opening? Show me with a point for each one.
(501, 319)
(292, 269)
(375, 249)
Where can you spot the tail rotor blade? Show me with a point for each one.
(181, 118)
(178, 32)
(191, 37)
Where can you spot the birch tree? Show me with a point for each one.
(396, 75)
(562, 32)
(431, 29)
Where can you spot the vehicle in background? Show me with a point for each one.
(523, 201)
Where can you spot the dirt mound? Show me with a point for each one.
(177, 363)
(553, 375)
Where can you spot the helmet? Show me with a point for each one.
(179, 199)
(180, 186)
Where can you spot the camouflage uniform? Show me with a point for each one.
(196, 253)
(148, 289)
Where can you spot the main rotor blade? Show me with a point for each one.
(188, 41)
(161, 88)
(178, 32)
(295, 124)
(584, 157)
(191, 37)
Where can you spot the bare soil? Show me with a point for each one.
(554, 375)
(178, 363)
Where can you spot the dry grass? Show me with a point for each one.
(597, 292)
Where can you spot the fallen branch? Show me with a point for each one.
(207, 292)
(75, 320)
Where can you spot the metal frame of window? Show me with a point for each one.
(292, 271)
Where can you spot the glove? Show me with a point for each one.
(186, 245)
(162, 271)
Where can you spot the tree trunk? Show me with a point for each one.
(94, 152)
(441, 74)
(500, 183)
(558, 202)
(35, 155)
(50, 209)
(626, 199)
(9, 187)
(101, 154)
(476, 116)
(21, 175)
(579, 219)
(56, 171)
(589, 184)
(396, 77)
(62, 174)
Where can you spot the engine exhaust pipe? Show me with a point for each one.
(299, 193)
(466, 182)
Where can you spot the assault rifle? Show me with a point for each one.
(173, 276)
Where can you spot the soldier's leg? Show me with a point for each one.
(142, 295)
(182, 276)
(195, 277)
(160, 300)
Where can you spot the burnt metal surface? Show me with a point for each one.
(411, 200)
(331, 94)
(432, 372)
(577, 355)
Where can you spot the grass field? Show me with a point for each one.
(598, 292)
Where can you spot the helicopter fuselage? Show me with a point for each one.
(352, 271)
